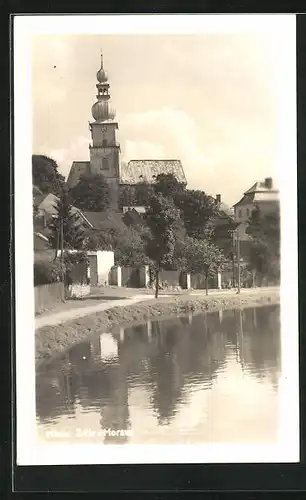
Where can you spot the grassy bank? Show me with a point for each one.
(50, 341)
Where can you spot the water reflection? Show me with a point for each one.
(208, 377)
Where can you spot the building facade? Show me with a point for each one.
(261, 195)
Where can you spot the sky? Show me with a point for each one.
(209, 100)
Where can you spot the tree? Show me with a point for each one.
(197, 211)
(198, 256)
(46, 176)
(130, 249)
(143, 193)
(127, 197)
(128, 245)
(66, 225)
(161, 219)
(168, 185)
(91, 193)
(264, 251)
(100, 240)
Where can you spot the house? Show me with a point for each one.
(133, 216)
(103, 221)
(261, 195)
(45, 204)
(41, 242)
(45, 208)
(36, 191)
(42, 248)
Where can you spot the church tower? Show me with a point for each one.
(104, 150)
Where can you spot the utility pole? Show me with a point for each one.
(232, 232)
(233, 261)
(238, 260)
(62, 247)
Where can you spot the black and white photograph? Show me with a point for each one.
(156, 239)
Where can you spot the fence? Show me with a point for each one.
(46, 296)
(198, 281)
(141, 277)
(130, 277)
(173, 278)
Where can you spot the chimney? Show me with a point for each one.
(268, 183)
(218, 198)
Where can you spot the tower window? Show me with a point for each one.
(104, 143)
(104, 164)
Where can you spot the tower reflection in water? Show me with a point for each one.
(154, 368)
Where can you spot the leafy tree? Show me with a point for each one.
(47, 272)
(66, 223)
(161, 219)
(130, 249)
(91, 193)
(100, 240)
(168, 185)
(143, 193)
(46, 176)
(265, 227)
(128, 245)
(127, 197)
(264, 251)
(197, 211)
(198, 256)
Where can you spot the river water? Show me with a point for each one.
(204, 378)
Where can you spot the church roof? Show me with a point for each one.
(133, 172)
(137, 171)
(78, 169)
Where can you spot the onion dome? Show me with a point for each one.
(101, 111)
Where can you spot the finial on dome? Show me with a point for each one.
(102, 75)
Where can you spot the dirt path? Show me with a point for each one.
(79, 309)
(58, 317)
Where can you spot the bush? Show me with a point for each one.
(47, 272)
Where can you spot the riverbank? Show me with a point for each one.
(53, 339)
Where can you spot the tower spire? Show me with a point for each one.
(102, 110)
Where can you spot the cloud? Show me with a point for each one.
(76, 150)
(165, 134)
(142, 149)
